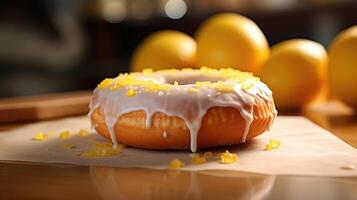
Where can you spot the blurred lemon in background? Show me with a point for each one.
(165, 49)
(343, 66)
(295, 72)
(231, 40)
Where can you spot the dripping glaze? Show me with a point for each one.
(179, 94)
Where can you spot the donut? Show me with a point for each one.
(182, 109)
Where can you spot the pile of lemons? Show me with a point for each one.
(299, 71)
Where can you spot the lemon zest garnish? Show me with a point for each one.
(105, 83)
(130, 93)
(198, 159)
(176, 164)
(203, 83)
(126, 80)
(272, 144)
(64, 135)
(102, 150)
(102, 145)
(40, 136)
(116, 85)
(82, 133)
(227, 157)
(232, 77)
(97, 153)
(223, 87)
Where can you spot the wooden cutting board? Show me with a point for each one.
(41, 107)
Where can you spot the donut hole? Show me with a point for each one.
(192, 79)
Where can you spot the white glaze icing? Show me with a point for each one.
(178, 100)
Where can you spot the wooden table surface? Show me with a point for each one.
(45, 181)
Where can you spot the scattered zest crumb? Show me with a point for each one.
(198, 159)
(82, 133)
(64, 135)
(40, 136)
(131, 93)
(348, 167)
(103, 145)
(176, 164)
(227, 157)
(272, 144)
(99, 152)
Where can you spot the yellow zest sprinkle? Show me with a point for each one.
(192, 90)
(130, 93)
(103, 145)
(223, 87)
(102, 151)
(208, 154)
(176, 164)
(233, 76)
(227, 157)
(64, 135)
(68, 146)
(126, 80)
(272, 144)
(115, 86)
(39, 136)
(203, 83)
(105, 83)
(107, 145)
(82, 133)
(205, 70)
(198, 159)
(97, 153)
(147, 71)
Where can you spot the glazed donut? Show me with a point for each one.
(181, 109)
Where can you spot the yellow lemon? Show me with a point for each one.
(165, 49)
(343, 66)
(231, 40)
(296, 72)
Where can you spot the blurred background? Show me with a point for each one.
(65, 45)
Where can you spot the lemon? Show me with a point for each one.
(165, 49)
(296, 72)
(343, 66)
(231, 40)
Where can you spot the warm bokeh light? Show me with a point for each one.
(175, 9)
